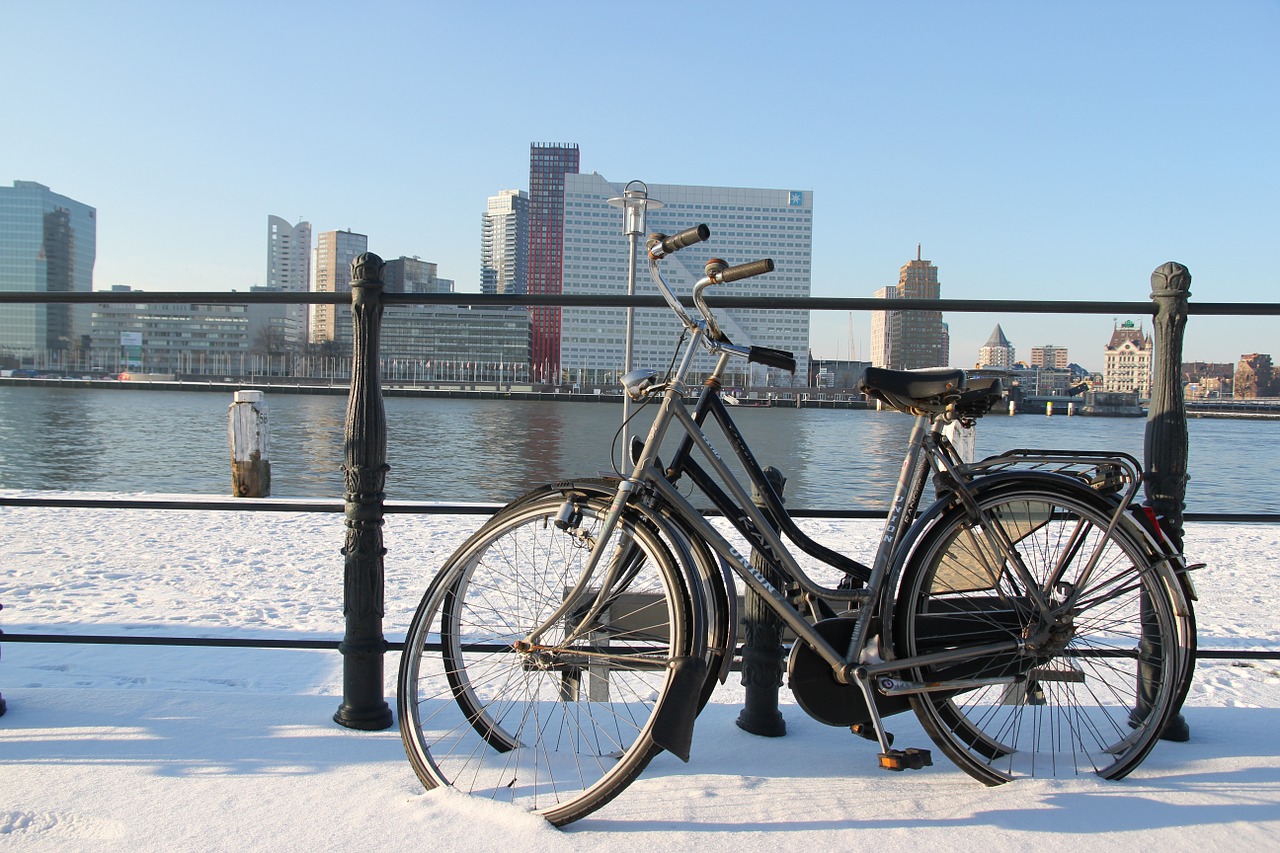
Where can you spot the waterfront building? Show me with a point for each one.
(997, 351)
(745, 224)
(414, 275)
(289, 271)
(834, 373)
(335, 250)
(1049, 356)
(169, 337)
(1254, 377)
(504, 244)
(1127, 361)
(455, 343)
(1205, 379)
(48, 243)
(548, 167)
(907, 340)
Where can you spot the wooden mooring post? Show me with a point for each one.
(365, 469)
(248, 430)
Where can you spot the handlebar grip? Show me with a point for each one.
(773, 358)
(745, 270)
(665, 245)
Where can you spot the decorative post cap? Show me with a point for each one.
(1170, 279)
(367, 269)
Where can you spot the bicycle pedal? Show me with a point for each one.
(906, 759)
(866, 731)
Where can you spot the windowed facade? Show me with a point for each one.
(504, 244)
(47, 244)
(746, 225)
(335, 250)
(548, 167)
(908, 340)
(289, 271)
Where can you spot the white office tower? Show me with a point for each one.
(289, 271)
(746, 225)
(504, 244)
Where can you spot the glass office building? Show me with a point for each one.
(47, 244)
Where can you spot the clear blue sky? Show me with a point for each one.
(1046, 150)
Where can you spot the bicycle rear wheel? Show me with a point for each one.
(562, 725)
(1095, 695)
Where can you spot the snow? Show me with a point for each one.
(138, 748)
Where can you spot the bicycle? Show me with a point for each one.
(1030, 616)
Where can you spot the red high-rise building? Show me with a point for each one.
(548, 164)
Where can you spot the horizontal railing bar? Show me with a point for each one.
(246, 505)
(412, 508)
(774, 303)
(393, 645)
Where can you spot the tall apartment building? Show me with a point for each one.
(907, 340)
(504, 244)
(48, 243)
(289, 271)
(335, 250)
(548, 167)
(1049, 356)
(746, 224)
(1127, 361)
(997, 351)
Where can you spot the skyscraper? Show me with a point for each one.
(911, 339)
(504, 245)
(746, 224)
(48, 243)
(335, 250)
(548, 165)
(289, 270)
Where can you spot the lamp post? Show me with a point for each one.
(635, 202)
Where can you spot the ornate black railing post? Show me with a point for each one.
(365, 470)
(762, 651)
(1166, 445)
(1165, 449)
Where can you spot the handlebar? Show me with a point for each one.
(741, 271)
(716, 271)
(660, 245)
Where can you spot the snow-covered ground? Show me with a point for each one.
(109, 747)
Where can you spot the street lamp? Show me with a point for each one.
(635, 202)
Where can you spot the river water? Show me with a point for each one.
(491, 450)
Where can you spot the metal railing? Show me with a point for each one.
(363, 645)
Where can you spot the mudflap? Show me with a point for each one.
(673, 723)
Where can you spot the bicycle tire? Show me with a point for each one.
(1097, 699)
(680, 538)
(563, 728)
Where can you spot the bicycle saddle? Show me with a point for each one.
(918, 391)
(979, 396)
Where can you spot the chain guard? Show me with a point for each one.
(819, 694)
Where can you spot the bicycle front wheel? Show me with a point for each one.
(1092, 691)
(557, 723)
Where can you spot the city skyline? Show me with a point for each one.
(1022, 170)
(289, 252)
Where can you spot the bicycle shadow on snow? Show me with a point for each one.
(1228, 773)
